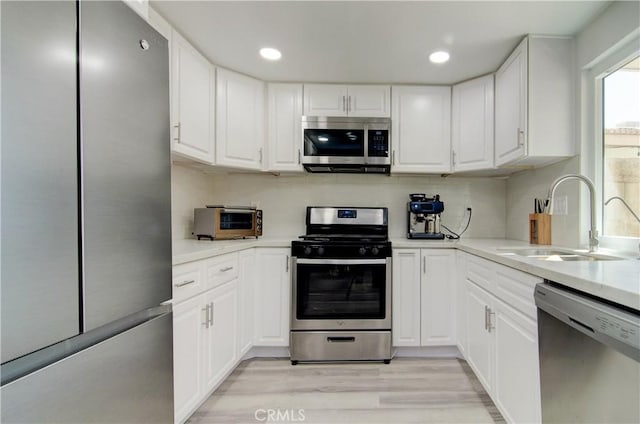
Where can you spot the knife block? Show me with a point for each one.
(539, 228)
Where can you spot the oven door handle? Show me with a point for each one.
(341, 261)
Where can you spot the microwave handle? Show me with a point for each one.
(249, 211)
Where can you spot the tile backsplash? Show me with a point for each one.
(284, 198)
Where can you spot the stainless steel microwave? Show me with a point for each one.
(223, 223)
(345, 144)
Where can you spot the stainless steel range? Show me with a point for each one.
(341, 286)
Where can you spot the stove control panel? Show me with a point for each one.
(328, 250)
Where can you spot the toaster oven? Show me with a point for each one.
(225, 223)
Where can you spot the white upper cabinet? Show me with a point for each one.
(239, 120)
(369, 101)
(192, 102)
(347, 100)
(284, 102)
(421, 129)
(472, 125)
(534, 103)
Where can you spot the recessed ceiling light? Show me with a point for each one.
(270, 53)
(439, 57)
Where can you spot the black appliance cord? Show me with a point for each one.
(453, 235)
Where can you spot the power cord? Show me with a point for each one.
(454, 235)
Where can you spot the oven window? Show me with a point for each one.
(325, 142)
(340, 291)
(236, 221)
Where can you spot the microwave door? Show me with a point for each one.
(334, 146)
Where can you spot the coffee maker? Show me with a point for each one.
(423, 217)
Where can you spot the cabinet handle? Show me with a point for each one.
(177, 126)
(486, 317)
(206, 316)
(184, 283)
(287, 265)
(490, 326)
(299, 157)
(260, 153)
(520, 137)
(225, 269)
(393, 157)
(453, 157)
(349, 105)
(211, 315)
(344, 103)
(424, 264)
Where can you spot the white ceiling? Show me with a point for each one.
(369, 42)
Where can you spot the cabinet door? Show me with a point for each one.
(437, 296)
(406, 297)
(480, 352)
(511, 107)
(221, 335)
(285, 126)
(472, 125)
(272, 297)
(189, 320)
(420, 134)
(192, 102)
(325, 100)
(369, 101)
(517, 368)
(461, 300)
(239, 120)
(247, 264)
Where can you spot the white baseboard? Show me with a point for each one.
(267, 352)
(427, 352)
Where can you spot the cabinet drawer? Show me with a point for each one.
(516, 288)
(188, 280)
(481, 272)
(221, 269)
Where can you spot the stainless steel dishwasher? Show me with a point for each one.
(589, 358)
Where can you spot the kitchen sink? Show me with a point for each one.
(558, 255)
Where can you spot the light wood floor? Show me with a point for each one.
(405, 391)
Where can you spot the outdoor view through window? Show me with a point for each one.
(621, 161)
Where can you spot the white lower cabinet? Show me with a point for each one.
(272, 288)
(247, 264)
(517, 375)
(221, 346)
(502, 338)
(204, 345)
(423, 297)
(480, 344)
(188, 351)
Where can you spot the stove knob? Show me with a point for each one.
(320, 250)
(307, 250)
(375, 251)
(362, 251)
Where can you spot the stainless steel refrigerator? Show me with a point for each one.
(86, 226)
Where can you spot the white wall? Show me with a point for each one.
(523, 187)
(284, 198)
(616, 24)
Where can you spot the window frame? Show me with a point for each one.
(593, 141)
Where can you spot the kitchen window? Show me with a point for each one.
(616, 148)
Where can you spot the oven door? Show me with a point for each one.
(341, 294)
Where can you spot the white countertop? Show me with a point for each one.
(617, 280)
(614, 280)
(189, 250)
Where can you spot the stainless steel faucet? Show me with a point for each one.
(626, 205)
(593, 232)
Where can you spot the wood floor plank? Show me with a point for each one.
(408, 390)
